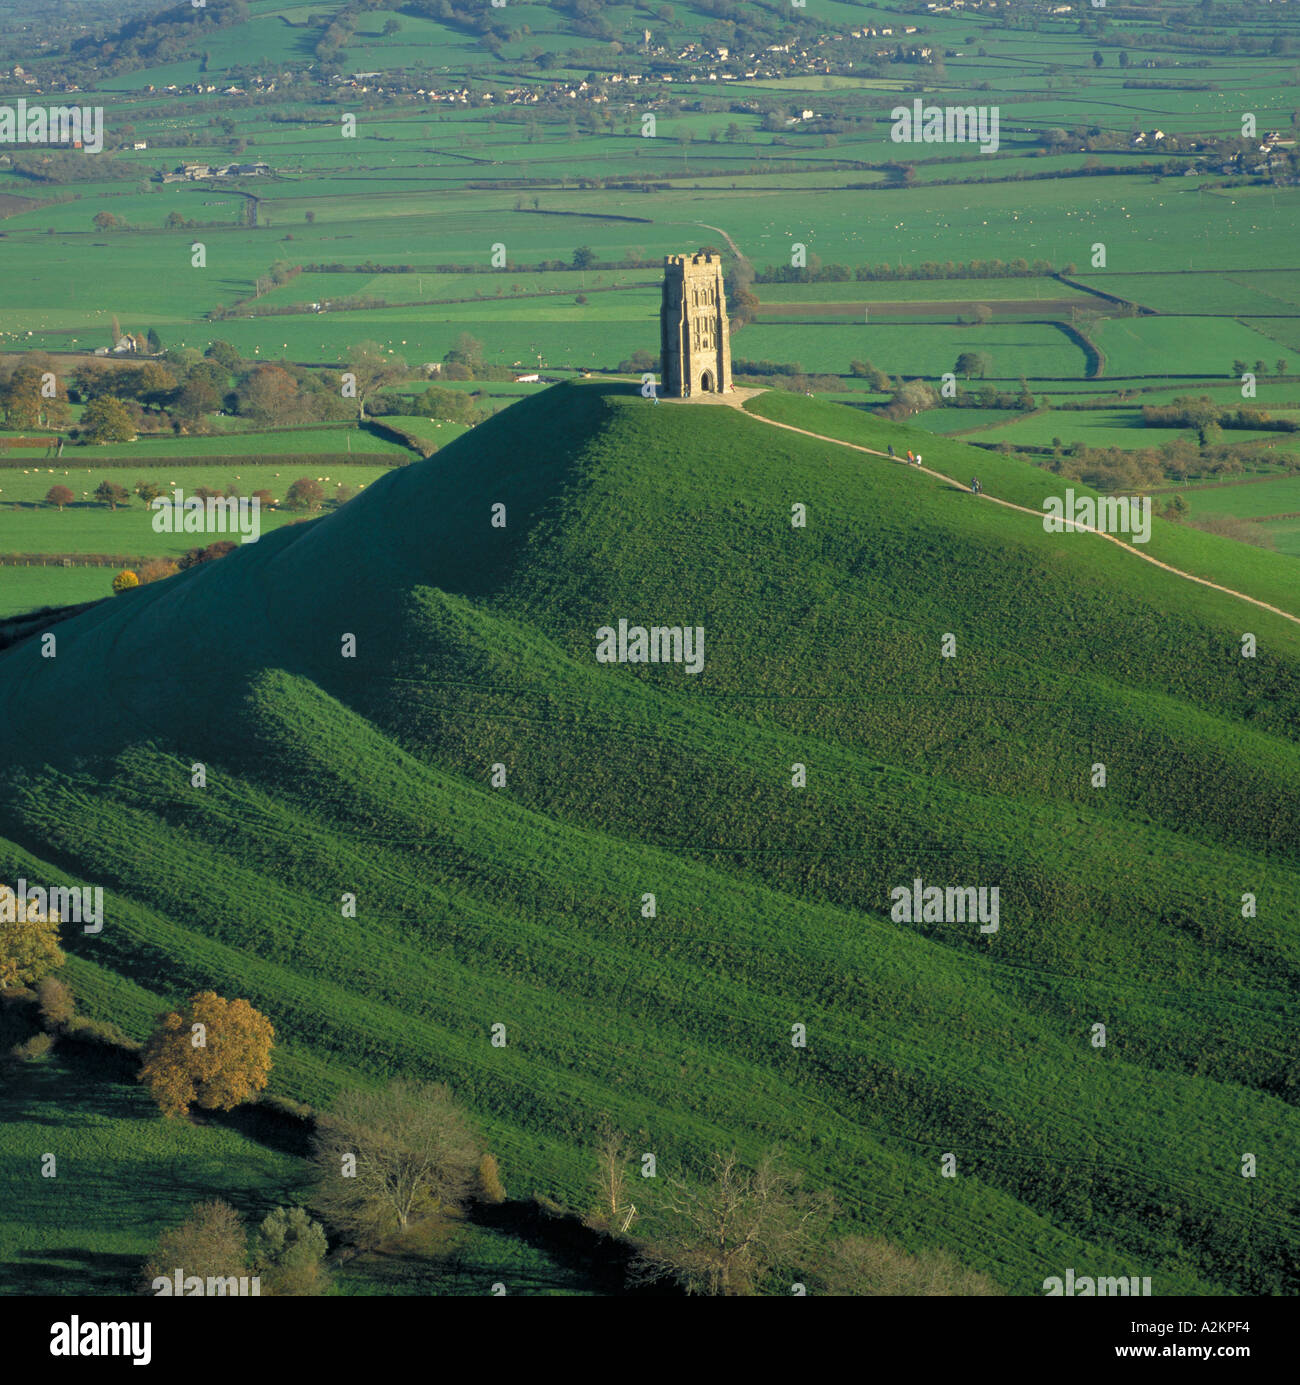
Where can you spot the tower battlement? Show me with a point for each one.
(694, 337)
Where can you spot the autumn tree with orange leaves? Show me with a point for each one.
(29, 940)
(215, 1053)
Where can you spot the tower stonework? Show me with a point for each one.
(694, 341)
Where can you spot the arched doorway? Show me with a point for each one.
(706, 382)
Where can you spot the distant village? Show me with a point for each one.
(652, 68)
(717, 64)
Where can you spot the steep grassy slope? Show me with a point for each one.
(522, 904)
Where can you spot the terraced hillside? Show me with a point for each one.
(523, 903)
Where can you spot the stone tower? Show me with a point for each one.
(695, 344)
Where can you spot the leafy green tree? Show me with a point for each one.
(304, 494)
(182, 358)
(152, 383)
(452, 406)
(210, 372)
(111, 494)
(225, 355)
(270, 394)
(289, 1251)
(107, 419)
(372, 368)
(467, 352)
(26, 401)
(21, 397)
(195, 399)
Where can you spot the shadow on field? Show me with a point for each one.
(68, 1270)
(275, 1130)
(602, 1259)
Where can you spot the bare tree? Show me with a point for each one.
(393, 1155)
(726, 1234)
(210, 1242)
(614, 1210)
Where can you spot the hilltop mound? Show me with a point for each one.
(523, 902)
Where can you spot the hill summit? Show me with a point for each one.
(678, 882)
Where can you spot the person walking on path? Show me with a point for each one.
(975, 485)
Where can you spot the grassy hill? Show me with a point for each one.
(522, 905)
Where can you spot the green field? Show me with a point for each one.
(1234, 295)
(1254, 501)
(1090, 427)
(1196, 346)
(29, 525)
(1246, 501)
(29, 487)
(31, 588)
(964, 291)
(925, 349)
(340, 441)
